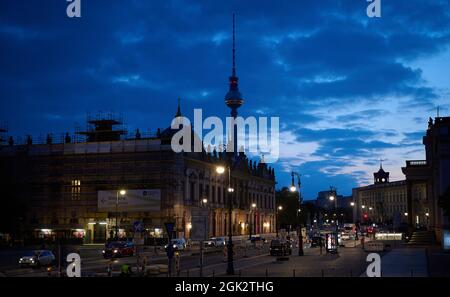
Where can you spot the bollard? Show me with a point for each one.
(293, 272)
(267, 273)
(213, 272)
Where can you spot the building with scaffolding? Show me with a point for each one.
(69, 188)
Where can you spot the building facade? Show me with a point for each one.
(382, 202)
(428, 179)
(61, 187)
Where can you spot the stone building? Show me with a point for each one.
(62, 186)
(383, 201)
(428, 179)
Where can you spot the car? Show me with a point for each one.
(345, 236)
(178, 244)
(315, 241)
(256, 238)
(215, 242)
(117, 249)
(37, 258)
(278, 248)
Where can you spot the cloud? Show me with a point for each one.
(347, 89)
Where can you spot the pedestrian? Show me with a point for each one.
(125, 270)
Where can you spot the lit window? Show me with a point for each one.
(75, 189)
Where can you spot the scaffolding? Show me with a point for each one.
(103, 126)
(3, 133)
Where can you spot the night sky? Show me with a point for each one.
(348, 89)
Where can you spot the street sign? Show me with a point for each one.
(138, 226)
(138, 239)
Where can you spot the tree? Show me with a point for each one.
(290, 203)
(444, 202)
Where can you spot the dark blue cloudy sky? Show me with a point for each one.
(348, 89)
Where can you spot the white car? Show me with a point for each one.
(37, 258)
(178, 244)
(215, 242)
(345, 236)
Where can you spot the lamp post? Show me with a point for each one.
(333, 197)
(251, 224)
(230, 190)
(279, 208)
(293, 189)
(122, 193)
(354, 211)
(203, 203)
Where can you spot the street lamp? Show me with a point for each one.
(203, 203)
(122, 192)
(279, 208)
(352, 203)
(293, 189)
(230, 267)
(334, 198)
(251, 225)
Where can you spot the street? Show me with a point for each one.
(253, 261)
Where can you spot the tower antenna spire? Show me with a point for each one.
(234, 46)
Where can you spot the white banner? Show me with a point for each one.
(133, 200)
(199, 221)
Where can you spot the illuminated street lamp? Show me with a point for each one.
(204, 200)
(294, 189)
(230, 266)
(352, 203)
(333, 197)
(220, 169)
(279, 208)
(251, 225)
(122, 192)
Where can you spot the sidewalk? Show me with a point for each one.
(404, 262)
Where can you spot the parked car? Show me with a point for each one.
(37, 258)
(178, 244)
(215, 242)
(117, 249)
(278, 248)
(256, 238)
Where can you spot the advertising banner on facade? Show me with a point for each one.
(134, 200)
(200, 219)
